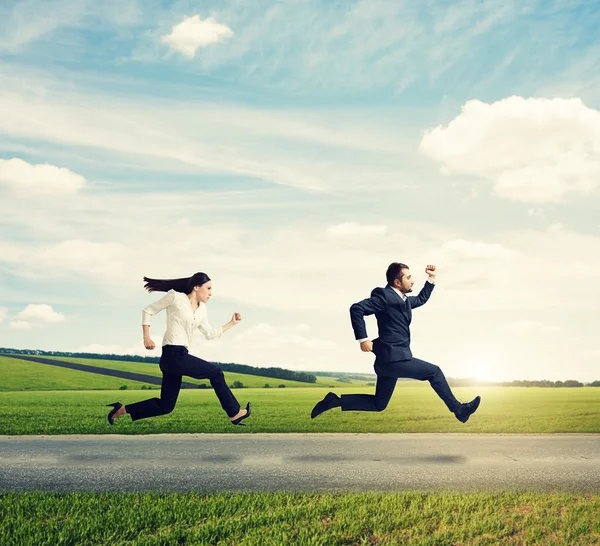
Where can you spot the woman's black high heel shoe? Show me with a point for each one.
(116, 407)
(239, 420)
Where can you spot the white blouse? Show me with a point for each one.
(182, 321)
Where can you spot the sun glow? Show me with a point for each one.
(484, 368)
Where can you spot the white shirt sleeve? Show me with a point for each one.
(432, 281)
(207, 330)
(157, 306)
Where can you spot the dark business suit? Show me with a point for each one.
(393, 358)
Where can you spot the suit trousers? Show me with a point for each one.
(387, 375)
(175, 362)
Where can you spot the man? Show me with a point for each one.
(393, 358)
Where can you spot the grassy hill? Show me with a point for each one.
(20, 375)
(24, 375)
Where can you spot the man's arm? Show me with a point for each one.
(423, 296)
(364, 308)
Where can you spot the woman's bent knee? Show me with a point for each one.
(167, 406)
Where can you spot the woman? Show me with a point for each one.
(185, 303)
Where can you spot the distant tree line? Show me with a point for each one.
(304, 377)
(277, 373)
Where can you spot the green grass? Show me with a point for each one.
(21, 375)
(414, 408)
(440, 518)
(253, 381)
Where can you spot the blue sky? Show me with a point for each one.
(292, 150)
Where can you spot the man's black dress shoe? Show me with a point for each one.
(330, 401)
(466, 410)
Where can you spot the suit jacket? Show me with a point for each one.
(393, 321)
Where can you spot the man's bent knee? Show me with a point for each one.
(218, 375)
(381, 404)
(436, 371)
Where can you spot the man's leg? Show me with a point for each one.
(369, 402)
(425, 371)
(360, 402)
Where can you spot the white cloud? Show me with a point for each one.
(463, 250)
(3, 313)
(23, 178)
(207, 137)
(351, 229)
(80, 256)
(35, 316)
(536, 212)
(20, 325)
(265, 345)
(524, 270)
(193, 33)
(41, 314)
(534, 150)
(268, 336)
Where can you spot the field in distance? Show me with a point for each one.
(17, 374)
(45, 399)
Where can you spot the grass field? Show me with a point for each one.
(279, 519)
(20, 375)
(36, 376)
(29, 405)
(413, 408)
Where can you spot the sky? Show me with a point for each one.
(292, 150)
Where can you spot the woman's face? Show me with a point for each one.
(204, 292)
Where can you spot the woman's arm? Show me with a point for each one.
(150, 310)
(148, 343)
(211, 333)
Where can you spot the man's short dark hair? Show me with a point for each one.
(395, 271)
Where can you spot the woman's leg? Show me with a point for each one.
(197, 368)
(171, 384)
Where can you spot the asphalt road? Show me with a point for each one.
(300, 462)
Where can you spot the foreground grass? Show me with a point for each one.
(414, 408)
(439, 518)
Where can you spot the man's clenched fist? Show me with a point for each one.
(366, 346)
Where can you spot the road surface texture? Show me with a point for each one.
(300, 462)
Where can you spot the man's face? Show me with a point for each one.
(406, 284)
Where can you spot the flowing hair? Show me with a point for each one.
(184, 285)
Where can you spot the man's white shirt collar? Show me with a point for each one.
(399, 293)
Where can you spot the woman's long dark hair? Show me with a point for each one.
(184, 285)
